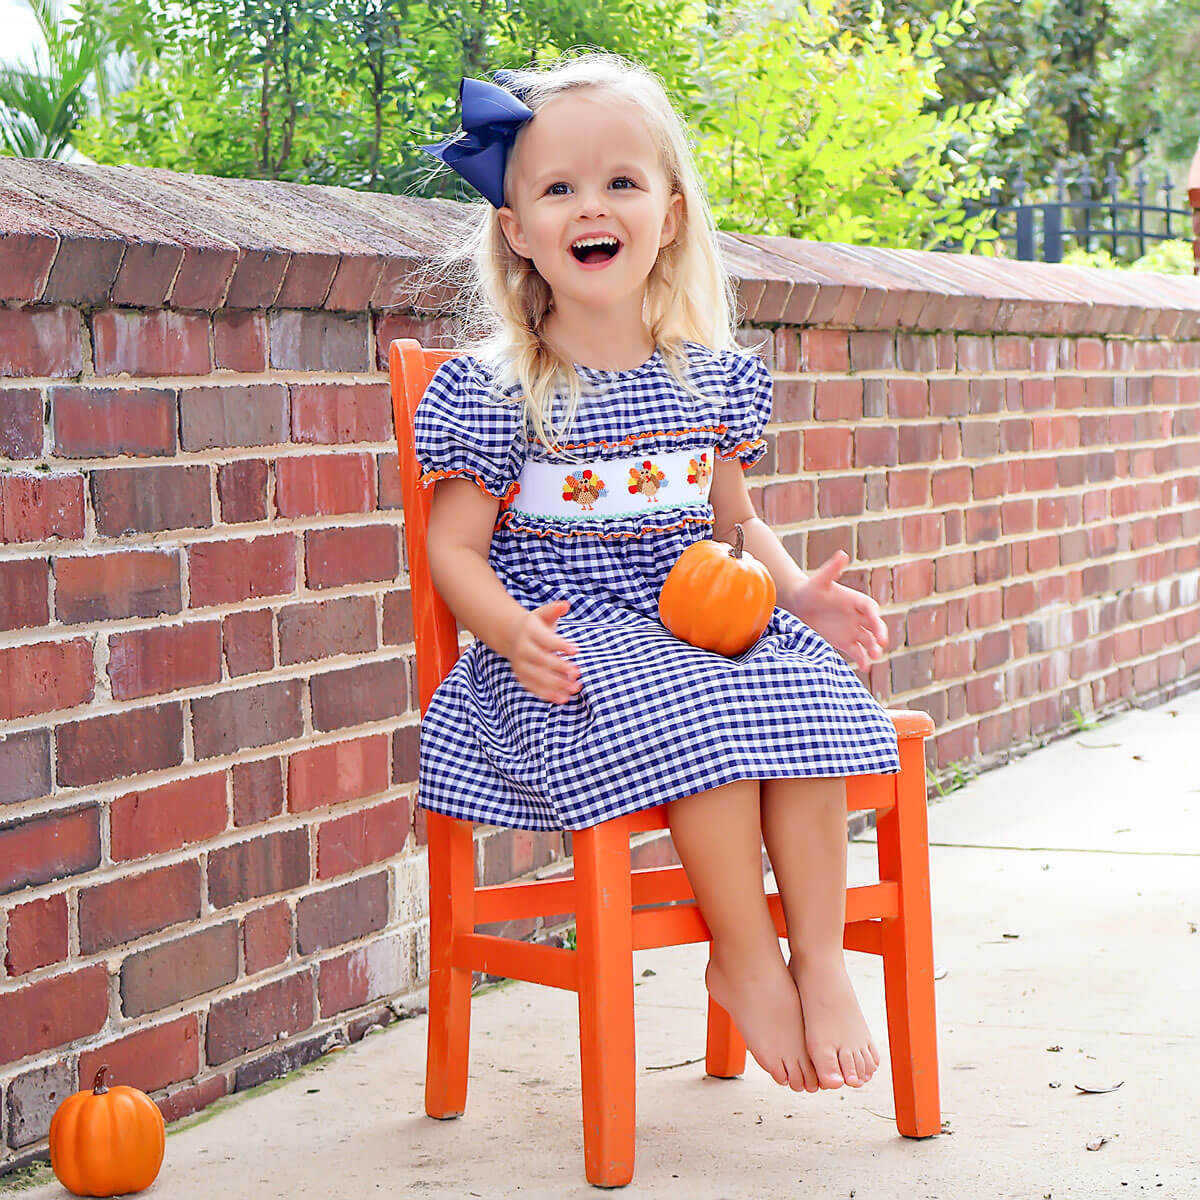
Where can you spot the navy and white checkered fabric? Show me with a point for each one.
(656, 718)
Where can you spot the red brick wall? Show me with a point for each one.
(211, 868)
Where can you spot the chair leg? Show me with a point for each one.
(604, 945)
(903, 842)
(725, 1053)
(451, 913)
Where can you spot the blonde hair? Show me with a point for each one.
(503, 301)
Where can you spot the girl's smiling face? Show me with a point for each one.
(586, 168)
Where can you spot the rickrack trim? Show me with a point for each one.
(636, 437)
(508, 519)
(505, 497)
(736, 450)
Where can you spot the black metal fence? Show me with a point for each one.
(1089, 213)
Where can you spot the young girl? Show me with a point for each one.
(601, 428)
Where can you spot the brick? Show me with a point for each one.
(240, 341)
(875, 446)
(36, 508)
(52, 1012)
(361, 554)
(254, 716)
(257, 791)
(185, 1101)
(155, 820)
(329, 412)
(150, 343)
(242, 490)
(180, 969)
(319, 341)
(908, 398)
(397, 618)
(948, 397)
(225, 572)
(128, 908)
(33, 1098)
(24, 766)
(151, 499)
(912, 581)
(908, 489)
(838, 400)
(919, 443)
(872, 350)
(39, 850)
(361, 838)
(119, 744)
(248, 641)
(261, 866)
(259, 1017)
(149, 1059)
(22, 423)
(341, 771)
(381, 968)
(406, 743)
(212, 417)
(144, 662)
(828, 449)
(840, 497)
(37, 934)
(123, 583)
(102, 422)
(45, 677)
(372, 692)
(37, 341)
(24, 593)
(793, 400)
(267, 936)
(325, 629)
(341, 914)
(391, 491)
(327, 484)
(824, 350)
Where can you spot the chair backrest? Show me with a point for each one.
(411, 367)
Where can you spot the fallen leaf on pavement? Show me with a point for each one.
(1096, 1089)
(1096, 1143)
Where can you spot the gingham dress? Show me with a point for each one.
(656, 718)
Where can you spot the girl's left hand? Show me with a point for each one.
(847, 619)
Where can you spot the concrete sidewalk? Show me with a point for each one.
(1066, 907)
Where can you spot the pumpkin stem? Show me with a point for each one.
(736, 552)
(100, 1087)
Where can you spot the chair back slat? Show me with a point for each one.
(411, 367)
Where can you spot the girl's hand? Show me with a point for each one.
(534, 652)
(847, 619)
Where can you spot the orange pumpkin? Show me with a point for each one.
(107, 1141)
(717, 597)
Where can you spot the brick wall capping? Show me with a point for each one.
(145, 237)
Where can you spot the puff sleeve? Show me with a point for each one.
(747, 408)
(463, 427)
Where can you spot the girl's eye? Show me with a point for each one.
(551, 192)
(625, 179)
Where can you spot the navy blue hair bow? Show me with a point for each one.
(491, 117)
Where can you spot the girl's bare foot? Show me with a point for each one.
(765, 1007)
(836, 1036)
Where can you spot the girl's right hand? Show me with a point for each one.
(535, 651)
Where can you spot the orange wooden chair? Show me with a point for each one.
(890, 918)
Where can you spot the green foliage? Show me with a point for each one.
(1167, 258)
(809, 130)
(1152, 76)
(42, 106)
(340, 91)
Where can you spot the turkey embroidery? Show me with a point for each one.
(699, 470)
(584, 490)
(646, 479)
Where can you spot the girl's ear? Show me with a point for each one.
(511, 228)
(672, 220)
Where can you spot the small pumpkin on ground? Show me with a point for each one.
(107, 1141)
(717, 597)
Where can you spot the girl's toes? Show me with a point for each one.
(829, 1074)
(862, 1066)
(848, 1069)
(778, 1071)
(873, 1053)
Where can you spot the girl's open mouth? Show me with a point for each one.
(595, 251)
